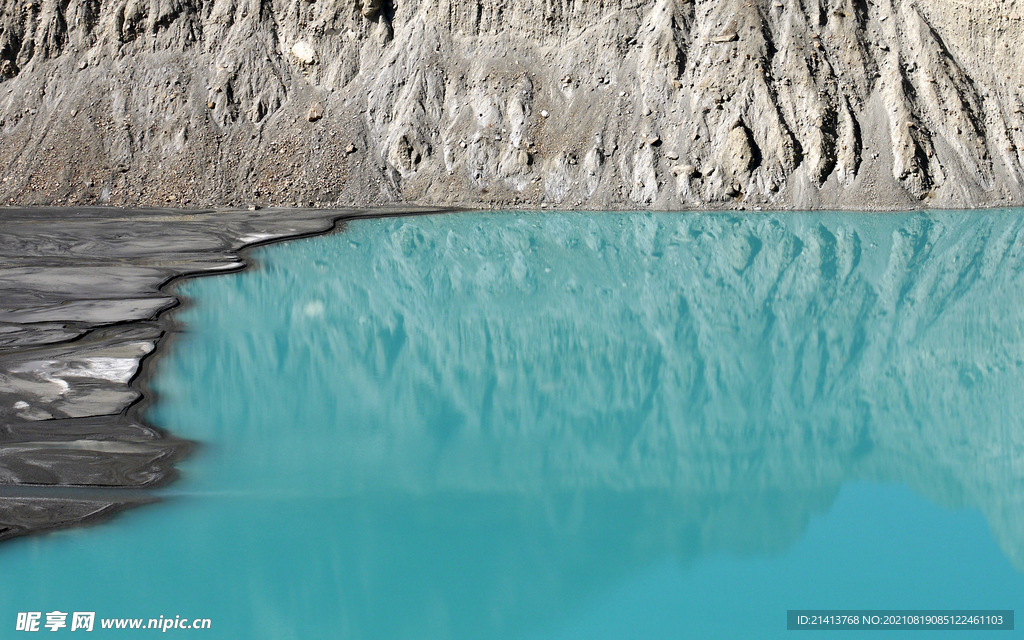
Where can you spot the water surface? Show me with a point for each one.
(546, 426)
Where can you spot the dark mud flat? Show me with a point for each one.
(80, 308)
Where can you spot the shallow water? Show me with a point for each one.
(548, 426)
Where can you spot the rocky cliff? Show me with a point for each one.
(876, 104)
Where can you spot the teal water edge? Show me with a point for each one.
(568, 425)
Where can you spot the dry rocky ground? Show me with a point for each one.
(853, 104)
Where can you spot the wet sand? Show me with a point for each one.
(82, 305)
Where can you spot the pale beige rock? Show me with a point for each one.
(304, 52)
(738, 155)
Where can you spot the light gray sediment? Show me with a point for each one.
(666, 104)
(80, 303)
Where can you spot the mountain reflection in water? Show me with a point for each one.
(640, 384)
(744, 367)
(480, 421)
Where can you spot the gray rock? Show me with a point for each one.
(198, 101)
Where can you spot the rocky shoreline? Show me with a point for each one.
(82, 302)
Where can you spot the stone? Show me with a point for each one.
(304, 52)
(370, 9)
(7, 70)
(739, 155)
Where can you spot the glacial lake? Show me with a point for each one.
(568, 425)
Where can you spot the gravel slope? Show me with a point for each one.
(885, 104)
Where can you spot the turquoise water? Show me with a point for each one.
(548, 426)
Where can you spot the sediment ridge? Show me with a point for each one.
(666, 104)
(81, 298)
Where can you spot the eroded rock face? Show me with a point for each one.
(885, 104)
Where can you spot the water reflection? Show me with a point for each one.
(500, 414)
